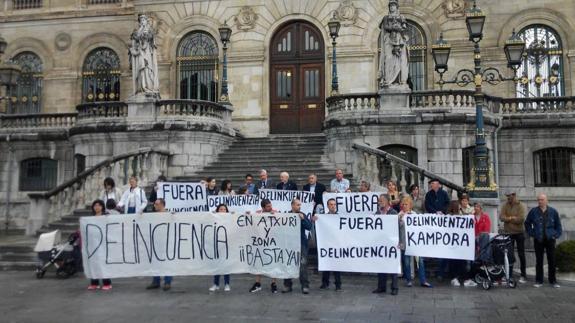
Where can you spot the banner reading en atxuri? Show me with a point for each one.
(163, 244)
(358, 243)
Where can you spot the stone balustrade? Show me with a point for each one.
(193, 109)
(353, 102)
(37, 121)
(100, 111)
(79, 192)
(537, 105)
(442, 99)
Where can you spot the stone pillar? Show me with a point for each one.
(38, 216)
(394, 100)
(141, 108)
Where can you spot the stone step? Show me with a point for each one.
(64, 226)
(9, 256)
(19, 266)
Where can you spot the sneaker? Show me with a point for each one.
(469, 283)
(167, 287)
(274, 288)
(537, 285)
(455, 282)
(153, 286)
(427, 285)
(324, 286)
(93, 287)
(227, 288)
(285, 290)
(305, 290)
(216, 288)
(556, 285)
(522, 280)
(107, 287)
(409, 284)
(256, 288)
(378, 291)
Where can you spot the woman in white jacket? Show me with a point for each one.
(134, 199)
(110, 191)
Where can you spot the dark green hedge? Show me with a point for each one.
(565, 255)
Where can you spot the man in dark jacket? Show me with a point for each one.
(436, 200)
(331, 209)
(264, 182)
(544, 225)
(285, 184)
(314, 186)
(305, 225)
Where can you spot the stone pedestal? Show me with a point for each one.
(394, 100)
(142, 107)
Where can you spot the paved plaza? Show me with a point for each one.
(26, 299)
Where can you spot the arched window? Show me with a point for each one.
(101, 76)
(26, 96)
(417, 49)
(542, 68)
(467, 159)
(197, 68)
(38, 174)
(554, 166)
(386, 170)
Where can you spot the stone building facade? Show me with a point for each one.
(72, 39)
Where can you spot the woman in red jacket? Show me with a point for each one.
(482, 221)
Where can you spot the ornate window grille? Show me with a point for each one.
(542, 70)
(197, 68)
(26, 4)
(38, 174)
(26, 96)
(101, 76)
(554, 166)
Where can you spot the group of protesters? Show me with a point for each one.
(542, 223)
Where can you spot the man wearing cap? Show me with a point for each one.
(513, 218)
(436, 200)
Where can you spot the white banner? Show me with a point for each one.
(440, 236)
(353, 203)
(236, 203)
(281, 200)
(163, 244)
(183, 197)
(356, 243)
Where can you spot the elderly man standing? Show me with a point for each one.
(544, 225)
(339, 184)
(264, 181)
(285, 184)
(513, 218)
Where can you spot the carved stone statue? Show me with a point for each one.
(143, 59)
(393, 65)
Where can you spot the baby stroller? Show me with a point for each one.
(63, 256)
(495, 257)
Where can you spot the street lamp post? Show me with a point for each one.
(482, 184)
(225, 33)
(334, 26)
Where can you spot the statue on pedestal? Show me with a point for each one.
(143, 59)
(393, 65)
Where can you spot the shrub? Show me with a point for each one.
(565, 255)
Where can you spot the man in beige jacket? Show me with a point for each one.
(513, 218)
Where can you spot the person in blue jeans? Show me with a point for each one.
(160, 207)
(222, 208)
(407, 208)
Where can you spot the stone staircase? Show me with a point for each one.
(17, 251)
(299, 155)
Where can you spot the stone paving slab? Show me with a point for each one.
(26, 299)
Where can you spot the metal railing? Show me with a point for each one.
(26, 4)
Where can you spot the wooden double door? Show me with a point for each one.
(297, 80)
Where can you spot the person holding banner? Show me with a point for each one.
(226, 188)
(316, 187)
(98, 209)
(264, 182)
(339, 184)
(249, 185)
(386, 208)
(331, 209)
(285, 184)
(436, 200)
(407, 208)
(134, 200)
(303, 275)
(211, 187)
(160, 207)
(222, 208)
(267, 207)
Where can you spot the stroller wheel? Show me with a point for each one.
(486, 285)
(40, 273)
(512, 283)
